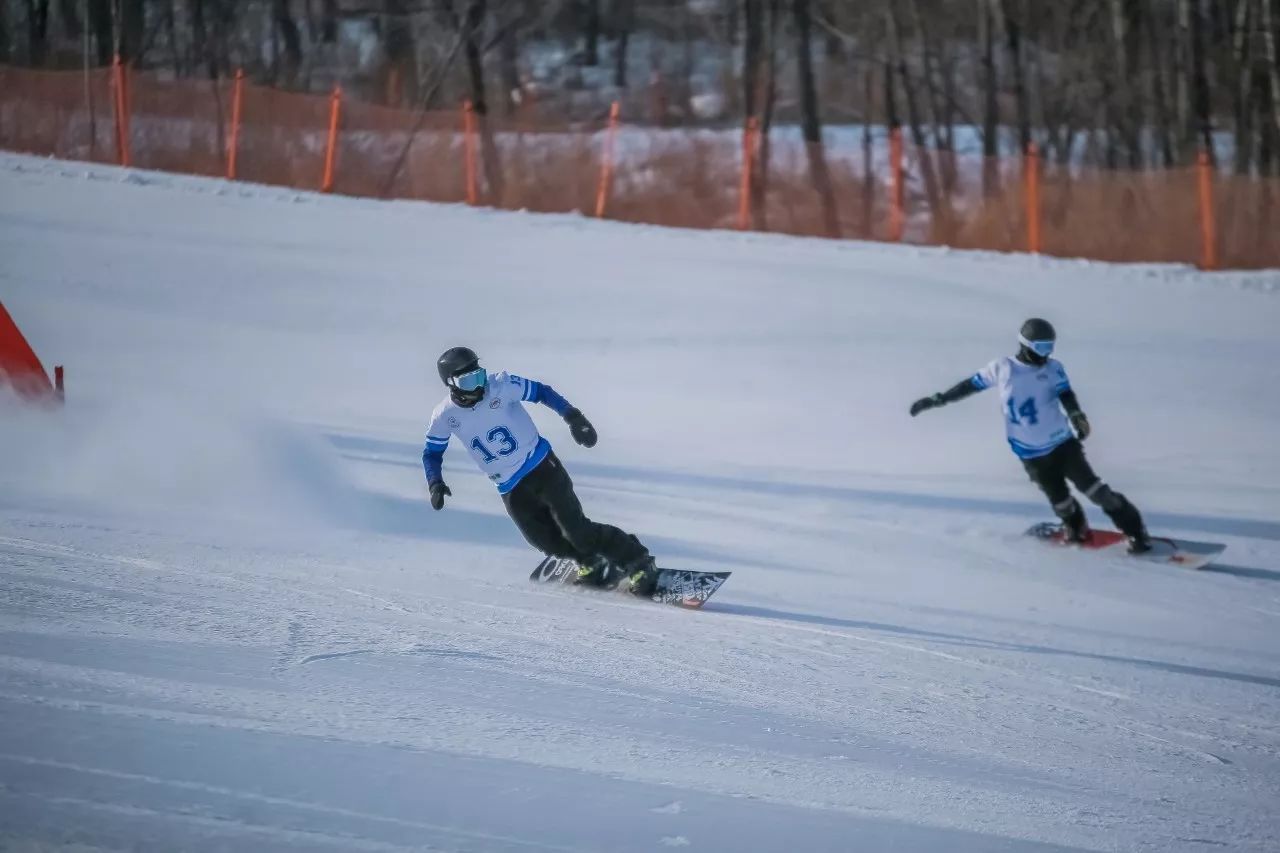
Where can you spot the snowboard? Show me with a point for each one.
(680, 587)
(1177, 552)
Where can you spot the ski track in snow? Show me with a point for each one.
(230, 620)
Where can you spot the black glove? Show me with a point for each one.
(1080, 424)
(581, 429)
(438, 491)
(926, 403)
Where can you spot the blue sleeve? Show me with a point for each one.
(433, 457)
(540, 392)
(978, 382)
(431, 462)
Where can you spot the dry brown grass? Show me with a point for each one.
(686, 179)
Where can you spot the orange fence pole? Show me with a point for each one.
(233, 145)
(1031, 170)
(897, 216)
(469, 151)
(331, 151)
(606, 162)
(121, 101)
(1208, 221)
(748, 165)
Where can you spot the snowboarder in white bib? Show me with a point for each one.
(487, 414)
(1045, 427)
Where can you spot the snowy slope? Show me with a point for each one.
(230, 620)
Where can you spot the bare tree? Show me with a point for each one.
(400, 50)
(130, 30)
(1200, 79)
(1165, 122)
(752, 44)
(764, 153)
(591, 34)
(1240, 63)
(990, 102)
(625, 21)
(6, 51)
(1017, 68)
(811, 124)
(868, 185)
(288, 60)
(1270, 25)
(70, 19)
(938, 202)
(471, 28)
(100, 23)
(37, 13)
(1122, 106)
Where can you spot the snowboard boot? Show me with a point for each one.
(593, 572)
(1129, 520)
(642, 576)
(1075, 526)
(1140, 544)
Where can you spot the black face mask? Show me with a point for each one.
(1030, 356)
(466, 399)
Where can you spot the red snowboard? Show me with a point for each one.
(1179, 552)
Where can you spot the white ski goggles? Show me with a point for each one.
(1040, 348)
(471, 381)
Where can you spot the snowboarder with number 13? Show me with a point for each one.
(487, 414)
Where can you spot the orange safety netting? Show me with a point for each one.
(882, 188)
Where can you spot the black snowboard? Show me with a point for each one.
(675, 586)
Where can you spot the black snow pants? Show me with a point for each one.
(543, 505)
(1066, 462)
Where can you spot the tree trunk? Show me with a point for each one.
(132, 29)
(70, 15)
(6, 49)
(868, 180)
(171, 28)
(1013, 44)
(1126, 118)
(100, 22)
(329, 21)
(200, 33)
(1200, 81)
(990, 102)
(290, 36)
(474, 20)
(940, 219)
(591, 54)
(764, 154)
(891, 119)
(400, 50)
(935, 102)
(509, 70)
(752, 13)
(1165, 124)
(37, 31)
(811, 124)
(1270, 23)
(625, 13)
(1241, 56)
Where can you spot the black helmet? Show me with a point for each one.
(460, 370)
(1037, 339)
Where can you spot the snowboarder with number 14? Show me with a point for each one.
(487, 414)
(1045, 427)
